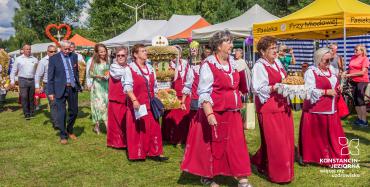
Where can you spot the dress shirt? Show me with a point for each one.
(66, 63)
(24, 67)
(42, 71)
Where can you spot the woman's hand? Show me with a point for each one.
(136, 104)
(345, 75)
(331, 92)
(183, 107)
(212, 120)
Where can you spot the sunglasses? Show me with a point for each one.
(118, 56)
(52, 51)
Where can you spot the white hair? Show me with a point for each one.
(317, 56)
(65, 43)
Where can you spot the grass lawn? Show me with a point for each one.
(30, 155)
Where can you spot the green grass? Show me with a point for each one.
(30, 155)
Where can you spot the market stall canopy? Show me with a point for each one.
(35, 48)
(81, 41)
(240, 26)
(180, 26)
(322, 19)
(142, 32)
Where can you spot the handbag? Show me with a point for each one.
(248, 115)
(155, 104)
(342, 107)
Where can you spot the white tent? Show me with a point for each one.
(240, 26)
(180, 26)
(141, 32)
(35, 48)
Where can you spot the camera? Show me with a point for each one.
(287, 50)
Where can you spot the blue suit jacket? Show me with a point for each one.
(57, 77)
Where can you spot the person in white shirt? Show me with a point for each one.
(25, 67)
(42, 72)
(88, 78)
(80, 58)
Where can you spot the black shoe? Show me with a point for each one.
(159, 158)
(27, 117)
(55, 127)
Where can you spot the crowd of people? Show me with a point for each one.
(209, 121)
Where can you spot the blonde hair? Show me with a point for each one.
(282, 47)
(362, 48)
(317, 56)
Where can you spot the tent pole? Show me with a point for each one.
(244, 50)
(345, 42)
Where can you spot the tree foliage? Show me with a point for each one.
(33, 16)
(108, 18)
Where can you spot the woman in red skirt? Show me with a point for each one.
(216, 143)
(321, 136)
(116, 136)
(192, 81)
(275, 157)
(175, 123)
(144, 138)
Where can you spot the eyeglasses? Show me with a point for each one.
(52, 51)
(118, 56)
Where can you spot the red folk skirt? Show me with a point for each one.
(175, 124)
(144, 136)
(221, 150)
(321, 136)
(275, 157)
(116, 131)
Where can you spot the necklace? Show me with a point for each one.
(228, 62)
(324, 74)
(142, 72)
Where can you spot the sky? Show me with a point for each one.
(6, 15)
(7, 9)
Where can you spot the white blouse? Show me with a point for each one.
(260, 79)
(206, 79)
(190, 79)
(117, 71)
(180, 68)
(313, 93)
(127, 80)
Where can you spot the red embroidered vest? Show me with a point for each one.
(115, 91)
(276, 102)
(224, 93)
(324, 104)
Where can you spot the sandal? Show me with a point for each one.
(96, 129)
(244, 183)
(209, 182)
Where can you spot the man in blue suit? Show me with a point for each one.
(63, 86)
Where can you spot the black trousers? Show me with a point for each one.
(359, 92)
(27, 92)
(70, 96)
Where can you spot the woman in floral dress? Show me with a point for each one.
(99, 72)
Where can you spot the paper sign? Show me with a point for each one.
(141, 112)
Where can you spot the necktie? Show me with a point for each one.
(70, 72)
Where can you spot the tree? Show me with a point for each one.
(33, 16)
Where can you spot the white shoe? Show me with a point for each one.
(244, 183)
